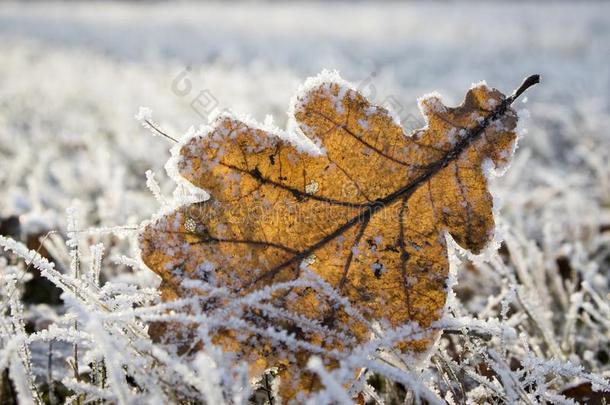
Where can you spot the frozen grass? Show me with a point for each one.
(529, 323)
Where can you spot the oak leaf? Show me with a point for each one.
(366, 214)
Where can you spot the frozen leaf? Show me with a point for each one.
(368, 215)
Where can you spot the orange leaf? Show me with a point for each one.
(367, 214)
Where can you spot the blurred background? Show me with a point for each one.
(73, 74)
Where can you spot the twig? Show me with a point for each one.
(268, 389)
(157, 130)
(481, 335)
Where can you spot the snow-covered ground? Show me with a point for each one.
(72, 76)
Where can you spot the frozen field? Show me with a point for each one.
(72, 77)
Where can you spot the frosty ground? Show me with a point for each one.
(73, 76)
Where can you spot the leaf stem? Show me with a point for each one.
(527, 83)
